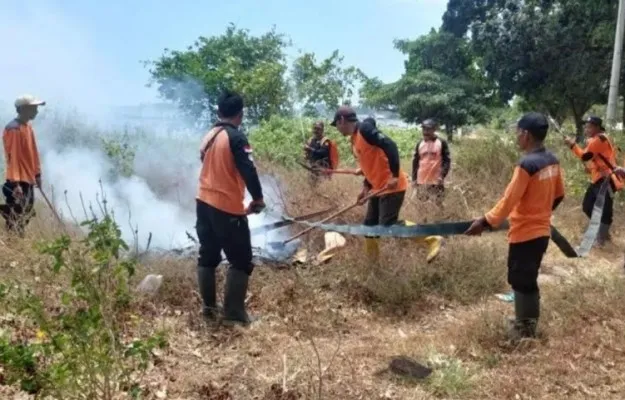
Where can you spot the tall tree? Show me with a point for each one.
(554, 53)
(251, 65)
(325, 84)
(442, 81)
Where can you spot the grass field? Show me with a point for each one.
(327, 331)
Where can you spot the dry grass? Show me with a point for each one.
(328, 331)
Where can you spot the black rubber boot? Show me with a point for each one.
(206, 283)
(234, 299)
(527, 310)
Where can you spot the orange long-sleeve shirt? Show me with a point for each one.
(378, 159)
(20, 152)
(533, 193)
(599, 144)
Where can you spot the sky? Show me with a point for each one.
(88, 53)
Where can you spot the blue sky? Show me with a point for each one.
(88, 52)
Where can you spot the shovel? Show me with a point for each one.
(278, 245)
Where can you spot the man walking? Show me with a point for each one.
(227, 169)
(23, 167)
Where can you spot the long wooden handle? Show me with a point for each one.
(342, 171)
(56, 215)
(336, 214)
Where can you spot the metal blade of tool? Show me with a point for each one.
(286, 221)
(595, 221)
(456, 228)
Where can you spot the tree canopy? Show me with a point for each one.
(441, 81)
(236, 60)
(554, 56)
(324, 84)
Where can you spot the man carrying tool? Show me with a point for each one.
(536, 189)
(598, 150)
(430, 164)
(379, 162)
(227, 169)
(321, 153)
(23, 168)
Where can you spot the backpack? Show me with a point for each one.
(334, 153)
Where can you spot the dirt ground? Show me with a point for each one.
(329, 331)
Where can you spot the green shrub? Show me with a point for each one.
(281, 140)
(121, 154)
(492, 155)
(72, 343)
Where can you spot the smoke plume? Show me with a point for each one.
(90, 102)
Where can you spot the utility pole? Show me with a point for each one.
(616, 65)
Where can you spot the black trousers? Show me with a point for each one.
(18, 212)
(217, 231)
(524, 261)
(384, 210)
(591, 196)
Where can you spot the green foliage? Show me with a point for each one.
(555, 54)
(281, 140)
(253, 66)
(325, 84)
(440, 81)
(451, 377)
(490, 156)
(121, 154)
(376, 94)
(79, 349)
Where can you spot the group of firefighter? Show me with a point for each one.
(228, 170)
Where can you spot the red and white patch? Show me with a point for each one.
(248, 150)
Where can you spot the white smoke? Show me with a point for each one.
(79, 176)
(156, 202)
(52, 58)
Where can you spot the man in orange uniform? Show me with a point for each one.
(227, 169)
(536, 189)
(320, 153)
(431, 163)
(23, 168)
(378, 159)
(318, 148)
(597, 144)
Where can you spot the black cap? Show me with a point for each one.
(592, 119)
(533, 122)
(429, 123)
(344, 112)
